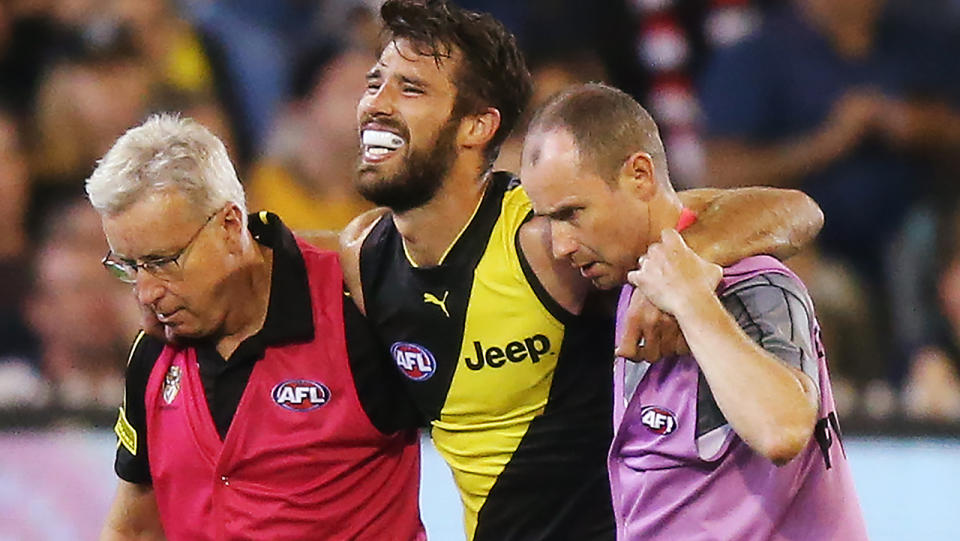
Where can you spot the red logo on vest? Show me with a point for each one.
(300, 394)
(659, 420)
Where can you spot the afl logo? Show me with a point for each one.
(416, 362)
(659, 420)
(300, 394)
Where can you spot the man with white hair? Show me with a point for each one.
(248, 419)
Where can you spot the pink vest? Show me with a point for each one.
(301, 460)
(669, 485)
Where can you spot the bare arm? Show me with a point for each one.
(133, 515)
(350, 242)
(770, 405)
(325, 239)
(734, 224)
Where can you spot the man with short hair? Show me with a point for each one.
(506, 356)
(249, 420)
(715, 444)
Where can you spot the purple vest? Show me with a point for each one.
(668, 485)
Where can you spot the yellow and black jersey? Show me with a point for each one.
(516, 389)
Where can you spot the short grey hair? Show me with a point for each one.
(165, 153)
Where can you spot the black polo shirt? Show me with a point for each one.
(289, 320)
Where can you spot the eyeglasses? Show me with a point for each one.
(166, 268)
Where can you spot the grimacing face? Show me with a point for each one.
(409, 100)
(596, 226)
(160, 225)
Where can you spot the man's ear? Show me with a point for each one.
(638, 176)
(233, 225)
(478, 129)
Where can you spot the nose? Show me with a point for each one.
(149, 289)
(378, 101)
(562, 240)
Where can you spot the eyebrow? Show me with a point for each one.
(146, 257)
(377, 72)
(557, 213)
(158, 257)
(414, 80)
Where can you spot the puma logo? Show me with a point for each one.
(430, 298)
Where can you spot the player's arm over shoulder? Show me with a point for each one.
(325, 239)
(736, 223)
(351, 242)
(560, 279)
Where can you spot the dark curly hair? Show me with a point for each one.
(492, 73)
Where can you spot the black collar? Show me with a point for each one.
(289, 312)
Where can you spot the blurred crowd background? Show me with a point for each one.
(856, 102)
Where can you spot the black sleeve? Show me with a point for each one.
(775, 311)
(379, 385)
(132, 463)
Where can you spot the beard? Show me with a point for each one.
(419, 178)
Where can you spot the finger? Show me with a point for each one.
(714, 275)
(628, 348)
(650, 351)
(671, 239)
(656, 256)
(634, 277)
(670, 337)
(637, 327)
(631, 334)
(681, 347)
(649, 316)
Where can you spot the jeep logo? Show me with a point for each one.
(515, 352)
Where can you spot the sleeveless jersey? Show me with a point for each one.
(515, 388)
(669, 482)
